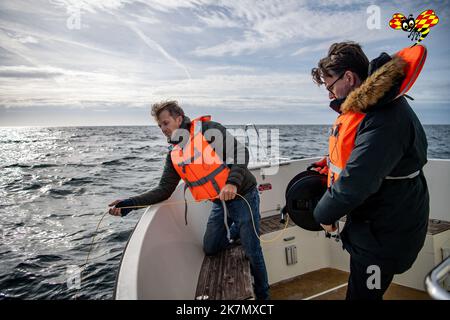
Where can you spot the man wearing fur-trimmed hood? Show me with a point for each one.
(376, 154)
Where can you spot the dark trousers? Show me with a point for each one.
(358, 286)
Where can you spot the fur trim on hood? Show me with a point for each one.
(375, 87)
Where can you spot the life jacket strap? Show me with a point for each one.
(209, 178)
(183, 164)
(185, 205)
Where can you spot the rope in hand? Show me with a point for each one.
(92, 245)
(179, 202)
(249, 208)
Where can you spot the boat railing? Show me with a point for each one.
(260, 146)
(435, 277)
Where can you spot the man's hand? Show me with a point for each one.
(321, 163)
(321, 166)
(329, 227)
(228, 192)
(117, 209)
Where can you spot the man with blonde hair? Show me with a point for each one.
(214, 166)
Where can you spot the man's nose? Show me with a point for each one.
(331, 95)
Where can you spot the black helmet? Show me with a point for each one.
(302, 195)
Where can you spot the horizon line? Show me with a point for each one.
(228, 124)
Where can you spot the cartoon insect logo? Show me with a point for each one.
(418, 28)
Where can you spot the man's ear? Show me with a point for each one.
(350, 77)
(179, 120)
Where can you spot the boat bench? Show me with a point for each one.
(226, 275)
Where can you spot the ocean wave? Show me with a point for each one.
(112, 162)
(48, 258)
(121, 236)
(78, 181)
(32, 186)
(130, 158)
(61, 193)
(44, 165)
(155, 159)
(52, 165)
(32, 166)
(58, 192)
(141, 148)
(11, 141)
(80, 165)
(119, 161)
(17, 165)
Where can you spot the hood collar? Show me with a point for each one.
(381, 86)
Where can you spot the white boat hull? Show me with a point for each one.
(163, 257)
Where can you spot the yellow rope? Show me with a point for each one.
(93, 238)
(249, 208)
(182, 202)
(254, 227)
(89, 253)
(169, 203)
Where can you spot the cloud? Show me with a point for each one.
(218, 20)
(231, 69)
(241, 56)
(322, 47)
(266, 24)
(153, 44)
(188, 29)
(145, 19)
(24, 38)
(233, 88)
(270, 25)
(29, 72)
(91, 6)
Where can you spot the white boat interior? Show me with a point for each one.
(164, 258)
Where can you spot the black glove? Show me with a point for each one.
(125, 203)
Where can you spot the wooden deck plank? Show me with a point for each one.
(318, 281)
(308, 284)
(437, 226)
(225, 276)
(272, 223)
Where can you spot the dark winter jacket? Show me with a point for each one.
(233, 154)
(386, 219)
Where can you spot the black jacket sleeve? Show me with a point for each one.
(232, 152)
(379, 146)
(167, 184)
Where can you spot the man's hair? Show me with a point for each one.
(341, 57)
(172, 106)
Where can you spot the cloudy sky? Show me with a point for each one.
(89, 62)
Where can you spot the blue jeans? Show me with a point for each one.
(241, 225)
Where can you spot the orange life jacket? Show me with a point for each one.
(415, 59)
(343, 133)
(341, 143)
(203, 171)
